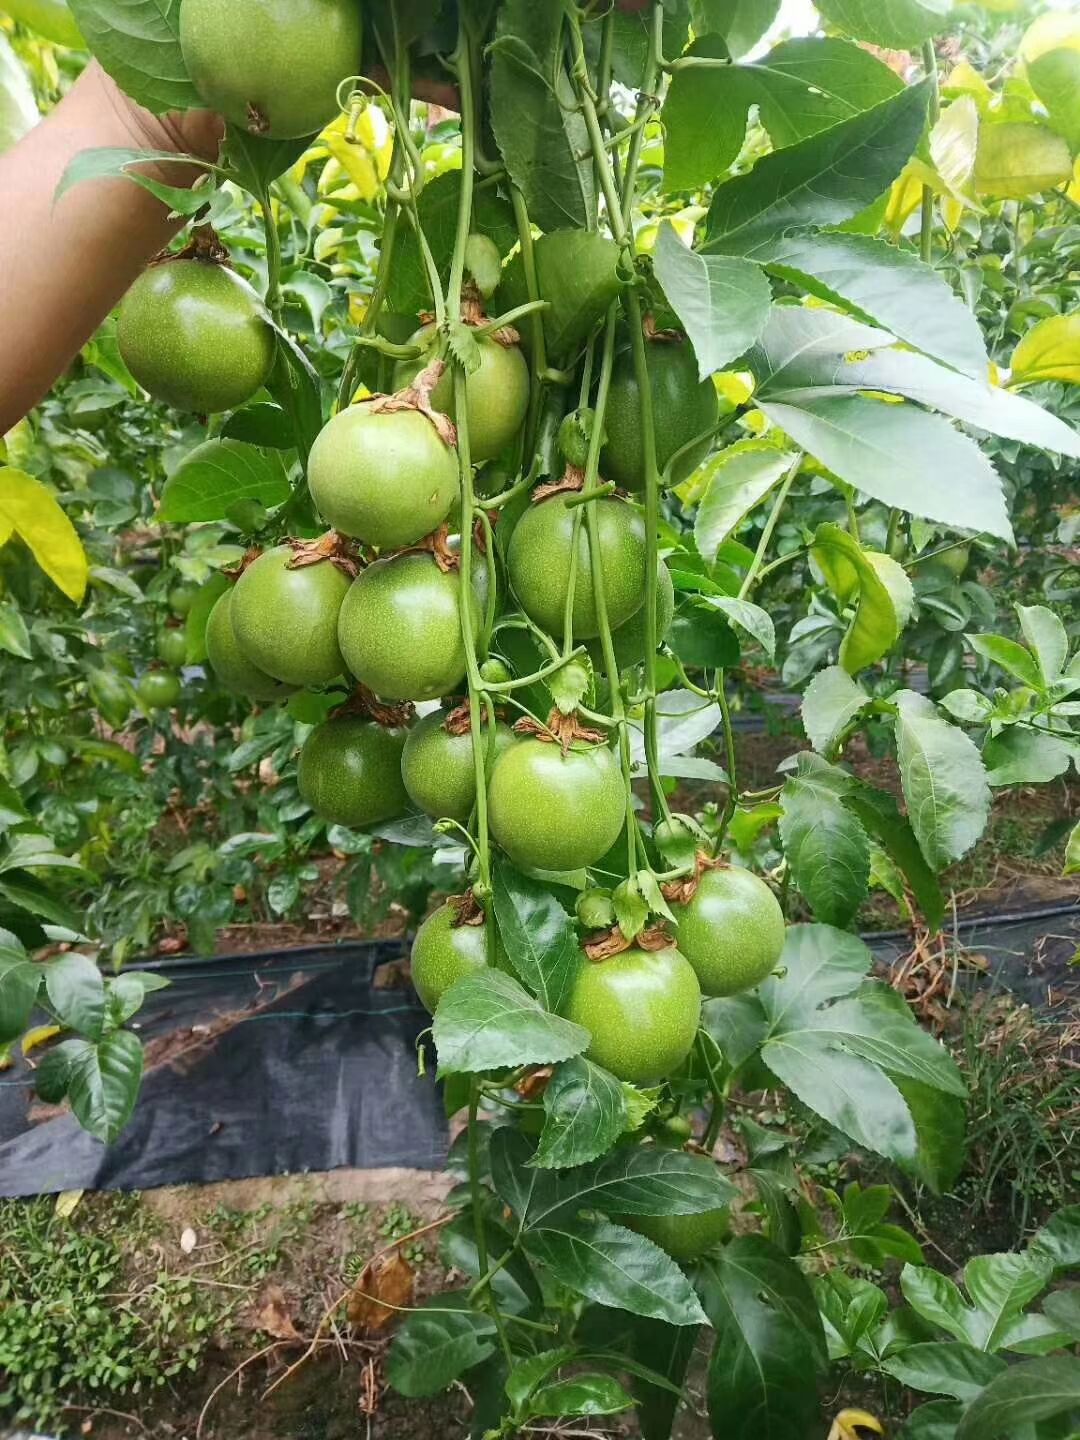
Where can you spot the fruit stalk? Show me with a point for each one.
(754, 573)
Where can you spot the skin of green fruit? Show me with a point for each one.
(684, 1237)
(194, 335)
(399, 628)
(538, 563)
(172, 647)
(181, 599)
(732, 931)
(683, 407)
(232, 669)
(385, 478)
(496, 394)
(443, 953)
(286, 620)
(554, 812)
(495, 671)
(438, 768)
(629, 639)
(642, 1010)
(158, 690)
(272, 66)
(349, 772)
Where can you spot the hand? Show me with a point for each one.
(187, 132)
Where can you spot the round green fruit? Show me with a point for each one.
(495, 671)
(286, 617)
(683, 406)
(112, 696)
(496, 393)
(232, 669)
(158, 690)
(732, 931)
(642, 1010)
(551, 811)
(399, 629)
(181, 599)
(195, 336)
(628, 639)
(443, 952)
(349, 772)
(384, 477)
(438, 767)
(538, 563)
(272, 67)
(172, 647)
(684, 1237)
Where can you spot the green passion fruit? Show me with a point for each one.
(195, 335)
(399, 628)
(349, 772)
(551, 811)
(538, 562)
(443, 952)
(181, 599)
(641, 1008)
(683, 408)
(233, 670)
(684, 1237)
(732, 931)
(272, 67)
(285, 617)
(629, 639)
(172, 648)
(158, 690)
(496, 393)
(438, 767)
(383, 476)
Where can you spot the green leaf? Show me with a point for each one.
(740, 23)
(29, 894)
(577, 275)
(260, 424)
(722, 301)
(940, 1122)
(294, 384)
(1010, 655)
(14, 636)
(1026, 757)
(256, 160)
(615, 1266)
(1049, 351)
(945, 1368)
(1000, 1286)
(877, 1024)
(733, 483)
(937, 1300)
(514, 1285)
(881, 819)
(217, 475)
(527, 1374)
(824, 844)
(49, 18)
(1047, 638)
(537, 125)
(76, 993)
(821, 181)
(937, 1420)
(1062, 1309)
(885, 595)
(1016, 160)
(895, 24)
(12, 809)
(33, 851)
(883, 285)
(1033, 1391)
(138, 43)
(1059, 1239)
(584, 1394)
(102, 1081)
(437, 1343)
(667, 1350)
(585, 1113)
(537, 934)
(829, 703)
(20, 981)
(756, 622)
(769, 1345)
(1072, 852)
(944, 781)
(486, 1022)
(704, 118)
(1055, 77)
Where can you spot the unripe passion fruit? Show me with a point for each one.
(439, 770)
(732, 931)
(272, 66)
(384, 477)
(172, 647)
(551, 811)
(285, 617)
(496, 394)
(683, 407)
(538, 563)
(232, 669)
(399, 629)
(642, 1010)
(349, 772)
(684, 1237)
(181, 599)
(629, 638)
(443, 953)
(195, 335)
(158, 690)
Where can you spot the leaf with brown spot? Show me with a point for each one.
(272, 1315)
(385, 1281)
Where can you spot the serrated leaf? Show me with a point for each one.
(488, 1022)
(570, 685)
(825, 846)
(1059, 1239)
(432, 1349)
(944, 781)
(465, 348)
(899, 24)
(722, 301)
(577, 274)
(1047, 639)
(218, 475)
(584, 1114)
(829, 703)
(884, 595)
(1072, 852)
(584, 1394)
(1026, 757)
(537, 934)
(138, 43)
(1049, 351)
(1032, 1391)
(1010, 655)
(942, 1367)
(733, 482)
(750, 618)
(881, 818)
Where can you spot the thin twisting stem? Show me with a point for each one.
(926, 226)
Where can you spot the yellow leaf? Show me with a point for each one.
(32, 511)
(357, 164)
(905, 197)
(358, 305)
(954, 143)
(1015, 160)
(964, 79)
(66, 1203)
(1049, 351)
(1073, 192)
(848, 1423)
(1050, 32)
(39, 1035)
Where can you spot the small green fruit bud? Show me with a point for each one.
(595, 910)
(484, 264)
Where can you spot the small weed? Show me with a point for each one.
(398, 1221)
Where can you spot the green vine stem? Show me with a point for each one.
(754, 573)
(926, 219)
(274, 300)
